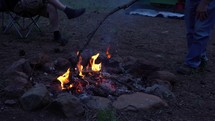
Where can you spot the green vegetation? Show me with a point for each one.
(106, 115)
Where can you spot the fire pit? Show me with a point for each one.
(96, 81)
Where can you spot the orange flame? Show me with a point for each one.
(64, 78)
(95, 67)
(107, 53)
(80, 67)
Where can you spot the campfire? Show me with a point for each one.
(82, 79)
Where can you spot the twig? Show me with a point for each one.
(90, 35)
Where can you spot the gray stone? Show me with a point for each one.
(49, 67)
(113, 64)
(21, 65)
(114, 70)
(21, 74)
(138, 102)
(62, 64)
(140, 67)
(16, 87)
(10, 102)
(69, 105)
(128, 62)
(35, 98)
(39, 60)
(163, 75)
(98, 103)
(161, 91)
(166, 84)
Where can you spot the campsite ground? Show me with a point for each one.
(160, 40)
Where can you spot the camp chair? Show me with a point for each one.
(22, 25)
(3, 8)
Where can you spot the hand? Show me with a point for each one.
(201, 11)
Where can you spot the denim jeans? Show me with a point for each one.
(198, 32)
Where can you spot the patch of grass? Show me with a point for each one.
(106, 115)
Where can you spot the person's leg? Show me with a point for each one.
(54, 22)
(190, 11)
(57, 4)
(49, 11)
(53, 17)
(210, 10)
(70, 13)
(201, 37)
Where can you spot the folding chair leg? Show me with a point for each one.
(15, 26)
(34, 22)
(2, 23)
(14, 22)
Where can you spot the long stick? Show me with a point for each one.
(90, 35)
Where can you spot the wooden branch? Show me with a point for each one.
(90, 35)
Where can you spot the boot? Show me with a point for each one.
(73, 13)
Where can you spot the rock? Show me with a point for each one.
(21, 74)
(140, 67)
(98, 103)
(161, 91)
(16, 87)
(62, 64)
(114, 70)
(21, 65)
(18, 80)
(138, 102)
(166, 84)
(69, 105)
(128, 62)
(100, 92)
(39, 60)
(113, 62)
(14, 91)
(35, 98)
(49, 67)
(10, 102)
(126, 78)
(108, 86)
(163, 75)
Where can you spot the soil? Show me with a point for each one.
(160, 40)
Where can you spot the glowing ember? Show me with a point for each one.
(64, 78)
(95, 67)
(79, 88)
(108, 53)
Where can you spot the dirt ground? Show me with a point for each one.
(160, 40)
